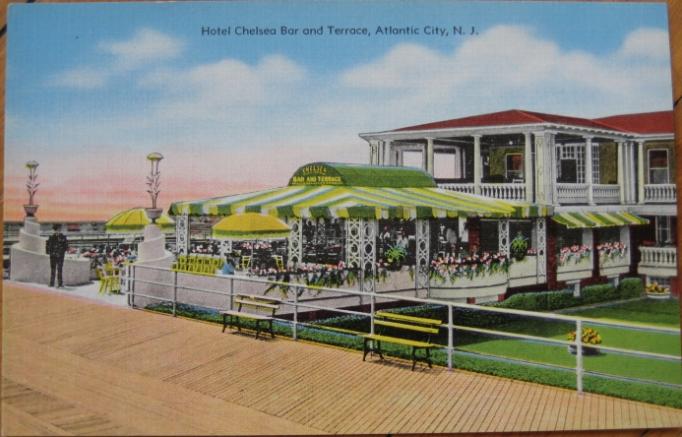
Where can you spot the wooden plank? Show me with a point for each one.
(169, 374)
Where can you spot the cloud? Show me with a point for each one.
(647, 43)
(227, 87)
(511, 66)
(85, 78)
(146, 46)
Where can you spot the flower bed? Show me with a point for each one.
(589, 338)
(474, 276)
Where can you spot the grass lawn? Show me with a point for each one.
(664, 313)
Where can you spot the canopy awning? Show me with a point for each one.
(574, 220)
(134, 220)
(331, 201)
(250, 226)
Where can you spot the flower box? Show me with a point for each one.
(492, 284)
(523, 272)
(575, 269)
(660, 296)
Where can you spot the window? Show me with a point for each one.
(571, 163)
(663, 230)
(445, 165)
(595, 164)
(658, 166)
(514, 167)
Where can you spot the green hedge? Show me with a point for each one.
(553, 300)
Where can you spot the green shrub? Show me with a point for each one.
(597, 293)
(630, 288)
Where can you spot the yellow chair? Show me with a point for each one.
(279, 261)
(246, 262)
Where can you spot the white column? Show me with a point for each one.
(528, 167)
(182, 234)
(373, 152)
(640, 171)
(503, 237)
(621, 170)
(429, 156)
(551, 150)
(540, 186)
(632, 172)
(477, 164)
(588, 169)
(388, 153)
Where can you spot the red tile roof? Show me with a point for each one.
(654, 122)
(642, 123)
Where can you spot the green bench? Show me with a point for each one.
(257, 308)
(425, 328)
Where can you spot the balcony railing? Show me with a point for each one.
(578, 193)
(504, 191)
(658, 257)
(461, 188)
(497, 191)
(660, 193)
(571, 193)
(608, 194)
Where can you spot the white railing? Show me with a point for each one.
(504, 191)
(461, 188)
(497, 191)
(571, 193)
(603, 193)
(135, 275)
(658, 256)
(660, 193)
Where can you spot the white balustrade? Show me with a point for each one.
(658, 256)
(504, 191)
(571, 193)
(462, 188)
(603, 193)
(660, 193)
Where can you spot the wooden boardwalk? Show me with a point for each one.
(72, 366)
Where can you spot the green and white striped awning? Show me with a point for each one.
(333, 201)
(574, 220)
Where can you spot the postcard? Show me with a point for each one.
(306, 217)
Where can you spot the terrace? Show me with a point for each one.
(86, 375)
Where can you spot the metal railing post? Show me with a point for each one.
(372, 310)
(231, 294)
(132, 291)
(579, 355)
(450, 342)
(175, 292)
(294, 328)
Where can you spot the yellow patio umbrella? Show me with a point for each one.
(250, 226)
(134, 220)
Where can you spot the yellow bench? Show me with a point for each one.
(401, 323)
(197, 264)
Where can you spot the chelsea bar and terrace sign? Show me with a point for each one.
(316, 174)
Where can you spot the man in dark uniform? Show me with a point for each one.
(56, 248)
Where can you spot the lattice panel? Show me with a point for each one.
(369, 252)
(421, 277)
(295, 240)
(353, 243)
(503, 236)
(225, 247)
(182, 234)
(541, 233)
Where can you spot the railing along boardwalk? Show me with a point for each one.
(154, 374)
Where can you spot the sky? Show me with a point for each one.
(93, 88)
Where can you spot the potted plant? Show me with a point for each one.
(519, 247)
(590, 338)
(656, 291)
(395, 255)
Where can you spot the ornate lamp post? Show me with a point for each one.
(32, 187)
(154, 182)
